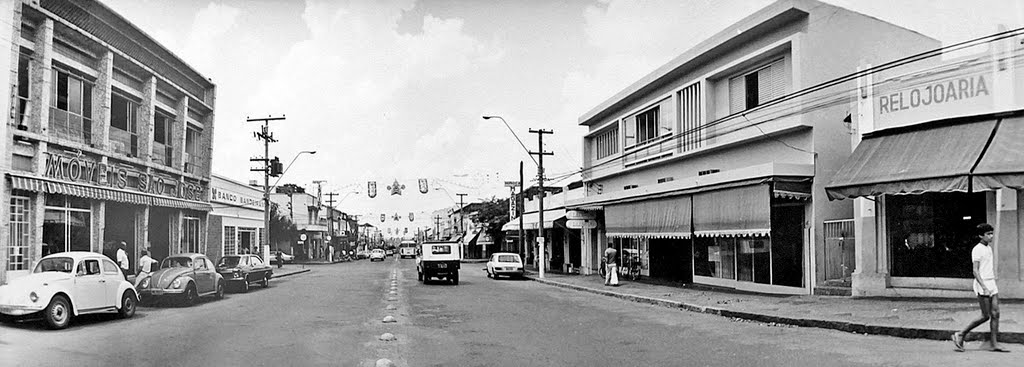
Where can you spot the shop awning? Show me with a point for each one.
(936, 159)
(660, 218)
(738, 211)
(1002, 165)
(100, 193)
(531, 219)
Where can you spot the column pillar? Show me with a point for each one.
(41, 79)
(147, 113)
(101, 101)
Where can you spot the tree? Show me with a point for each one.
(492, 215)
(282, 230)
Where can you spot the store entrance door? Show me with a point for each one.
(120, 226)
(159, 233)
(671, 259)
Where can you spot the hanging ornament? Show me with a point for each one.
(396, 188)
(389, 230)
(371, 189)
(383, 217)
(396, 217)
(410, 217)
(406, 230)
(423, 186)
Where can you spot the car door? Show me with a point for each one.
(245, 268)
(90, 286)
(112, 275)
(259, 269)
(203, 277)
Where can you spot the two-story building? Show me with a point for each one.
(310, 218)
(236, 222)
(712, 167)
(108, 138)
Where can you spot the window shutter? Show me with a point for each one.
(737, 95)
(770, 83)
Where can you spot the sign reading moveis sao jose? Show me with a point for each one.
(80, 170)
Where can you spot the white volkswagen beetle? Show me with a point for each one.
(68, 284)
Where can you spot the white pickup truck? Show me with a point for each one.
(439, 260)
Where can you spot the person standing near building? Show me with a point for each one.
(122, 259)
(145, 264)
(985, 288)
(611, 275)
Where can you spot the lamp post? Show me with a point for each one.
(266, 200)
(290, 165)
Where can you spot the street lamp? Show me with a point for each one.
(522, 192)
(266, 203)
(290, 165)
(513, 134)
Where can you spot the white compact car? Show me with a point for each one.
(68, 284)
(377, 254)
(504, 263)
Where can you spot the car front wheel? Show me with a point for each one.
(128, 301)
(191, 295)
(58, 313)
(245, 285)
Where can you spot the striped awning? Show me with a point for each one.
(100, 193)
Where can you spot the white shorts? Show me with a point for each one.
(989, 283)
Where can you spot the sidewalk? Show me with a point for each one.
(935, 319)
(289, 269)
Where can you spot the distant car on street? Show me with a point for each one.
(186, 277)
(407, 249)
(287, 259)
(504, 263)
(244, 269)
(362, 254)
(377, 254)
(389, 252)
(66, 285)
(439, 260)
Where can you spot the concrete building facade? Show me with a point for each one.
(236, 222)
(108, 138)
(709, 169)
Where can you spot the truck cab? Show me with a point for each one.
(440, 259)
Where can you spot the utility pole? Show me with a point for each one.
(540, 182)
(520, 202)
(319, 203)
(462, 226)
(437, 227)
(330, 221)
(268, 168)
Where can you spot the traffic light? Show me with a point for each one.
(276, 168)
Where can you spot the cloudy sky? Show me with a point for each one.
(392, 90)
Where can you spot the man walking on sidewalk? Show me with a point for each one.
(985, 288)
(611, 275)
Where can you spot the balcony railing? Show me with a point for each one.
(659, 147)
(124, 142)
(193, 164)
(163, 154)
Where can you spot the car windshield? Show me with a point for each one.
(176, 262)
(61, 264)
(440, 249)
(508, 258)
(229, 261)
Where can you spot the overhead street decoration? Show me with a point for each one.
(383, 217)
(371, 190)
(396, 188)
(423, 186)
(411, 217)
(397, 217)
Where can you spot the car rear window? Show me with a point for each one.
(61, 264)
(440, 249)
(508, 258)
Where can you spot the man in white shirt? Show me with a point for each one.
(122, 259)
(146, 264)
(985, 288)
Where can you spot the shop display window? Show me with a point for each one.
(67, 224)
(932, 234)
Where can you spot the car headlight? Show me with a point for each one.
(33, 296)
(145, 283)
(176, 283)
(237, 273)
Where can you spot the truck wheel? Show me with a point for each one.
(455, 279)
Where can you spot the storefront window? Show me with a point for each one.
(190, 235)
(230, 246)
(17, 246)
(932, 234)
(752, 260)
(630, 251)
(715, 257)
(67, 225)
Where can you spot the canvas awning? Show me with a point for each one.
(738, 211)
(99, 193)
(1001, 165)
(530, 220)
(660, 218)
(935, 159)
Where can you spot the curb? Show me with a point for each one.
(275, 276)
(852, 327)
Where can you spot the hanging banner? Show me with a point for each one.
(396, 188)
(371, 189)
(411, 217)
(423, 186)
(383, 217)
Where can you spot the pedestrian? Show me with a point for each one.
(611, 276)
(280, 259)
(985, 288)
(146, 264)
(122, 259)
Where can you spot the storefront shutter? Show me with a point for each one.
(662, 218)
(738, 211)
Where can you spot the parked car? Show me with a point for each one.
(66, 285)
(362, 254)
(389, 252)
(377, 254)
(287, 259)
(244, 269)
(504, 263)
(185, 277)
(440, 260)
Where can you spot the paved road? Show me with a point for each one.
(332, 316)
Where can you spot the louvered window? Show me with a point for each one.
(757, 87)
(607, 143)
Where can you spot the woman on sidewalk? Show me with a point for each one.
(611, 276)
(985, 288)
